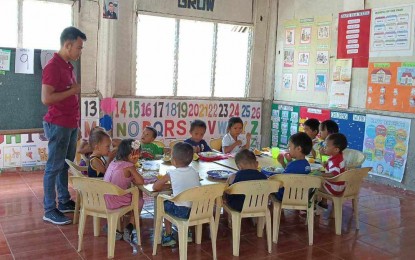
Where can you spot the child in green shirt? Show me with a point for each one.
(149, 150)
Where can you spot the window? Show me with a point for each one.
(41, 23)
(178, 57)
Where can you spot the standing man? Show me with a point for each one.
(110, 13)
(60, 93)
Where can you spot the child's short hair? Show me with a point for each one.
(152, 129)
(339, 141)
(197, 123)
(234, 120)
(303, 140)
(96, 136)
(312, 123)
(124, 149)
(330, 126)
(245, 156)
(182, 153)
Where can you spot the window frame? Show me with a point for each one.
(214, 58)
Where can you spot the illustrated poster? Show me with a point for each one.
(352, 126)
(284, 120)
(5, 59)
(386, 145)
(340, 85)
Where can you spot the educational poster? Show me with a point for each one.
(89, 115)
(352, 126)
(386, 145)
(23, 150)
(392, 31)
(391, 86)
(5, 59)
(340, 86)
(306, 60)
(284, 121)
(308, 112)
(353, 37)
(172, 118)
(24, 61)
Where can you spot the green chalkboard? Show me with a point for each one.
(20, 96)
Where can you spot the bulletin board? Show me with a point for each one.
(352, 125)
(284, 121)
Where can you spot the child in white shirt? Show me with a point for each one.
(234, 141)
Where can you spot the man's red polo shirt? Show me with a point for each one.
(60, 75)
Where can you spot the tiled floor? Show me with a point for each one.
(387, 230)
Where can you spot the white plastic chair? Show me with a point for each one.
(353, 158)
(76, 171)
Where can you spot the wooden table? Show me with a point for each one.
(263, 161)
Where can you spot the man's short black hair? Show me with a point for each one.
(245, 156)
(110, 3)
(331, 126)
(197, 123)
(152, 129)
(303, 140)
(312, 123)
(339, 141)
(182, 154)
(71, 34)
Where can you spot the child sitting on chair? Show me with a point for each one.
(149, 150)
(335, 144)
(100, 143)
(311, 128)
(122, 173)
(248, 170)
(234, 141)
(299, 145)
(182, 178)
(197, 131)
(327, 128)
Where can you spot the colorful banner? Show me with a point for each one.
(392, 31)
(23, 150)
(317, 113)
(284, 123)
(306, 60)
(172, 118)
(391, 86)
(89, 115)
(340, 86)
(352, 126)
(353, 37)
(386, 145)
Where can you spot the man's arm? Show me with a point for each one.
(50, 97)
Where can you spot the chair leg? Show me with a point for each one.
(355, 202)
(260, 226)
(81, 228)
(76, 213)
(182, 230)
(236, 233)
(268, 223)
(157, 232)
(97, 226)
(199, 234)
(112, 227)
(338, 211)
(276, 221)
(310, 222)
(137, 225)
(213, 235)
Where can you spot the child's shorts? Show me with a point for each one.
(177, 211)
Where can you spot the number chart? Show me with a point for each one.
(89, 115)
(172, 118)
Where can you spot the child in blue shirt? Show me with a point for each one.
(248, 170)
(198, 130)
(299, 145)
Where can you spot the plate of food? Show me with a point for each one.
(149, 176)
(257, 152)
(316, 166)
(270, 170)
(151, 166)
(209, 154)
(166, 158)
(219, 174)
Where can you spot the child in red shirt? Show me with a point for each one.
(335, 144)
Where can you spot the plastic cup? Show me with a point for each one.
(324, 159)
(275, 151)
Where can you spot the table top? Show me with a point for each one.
(263, 161)
(201, 167)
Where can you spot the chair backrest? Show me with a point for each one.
(75, 169)
(216, 144)
(353, 180)
(353, 158)
(159, 143)
(92, 192)
(296, 188)
(256, 193)
(172, 143)
(202, 198)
